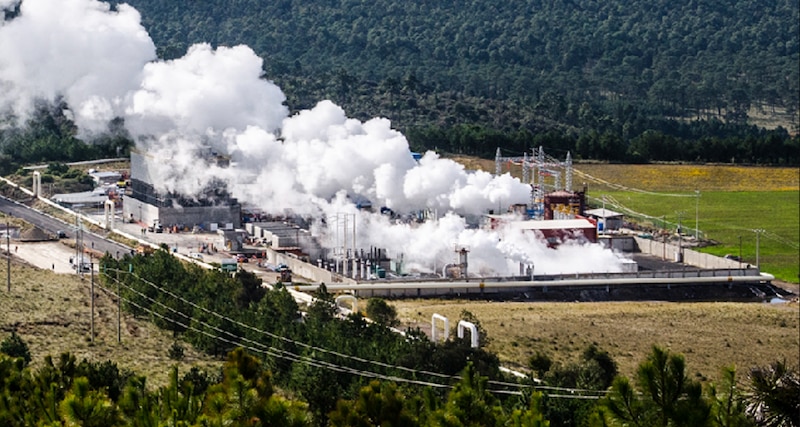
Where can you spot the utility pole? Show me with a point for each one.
(91, 268)
(8, 253)
(119, 310)
(78, 264)
(758, 242)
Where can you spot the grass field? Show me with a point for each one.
(724, 217)
(734, 201)
(710, 335)
(51, 313)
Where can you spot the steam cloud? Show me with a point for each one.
(102, 62)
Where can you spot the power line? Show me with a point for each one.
(271, 351)
(287, 355)
(626, 188)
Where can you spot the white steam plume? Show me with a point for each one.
(80, 50)
(316, 162)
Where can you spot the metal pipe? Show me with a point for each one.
(529, 284)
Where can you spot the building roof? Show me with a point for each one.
(603, 213)
(86, 197)
(105, 174)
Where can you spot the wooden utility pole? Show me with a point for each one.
(91, 268)
(8, 252)
(119, 310)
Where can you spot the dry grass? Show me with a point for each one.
(688, 178)
(710, 335)
(51, 313)
(669, 177)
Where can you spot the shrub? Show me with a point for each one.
(176, 351)
(381, 312)
(14, 346)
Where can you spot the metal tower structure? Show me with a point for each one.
(542, 172)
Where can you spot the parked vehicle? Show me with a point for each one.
(81, 264)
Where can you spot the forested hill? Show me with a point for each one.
(707, 53)
(510, 65)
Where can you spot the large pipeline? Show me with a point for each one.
(478, 284)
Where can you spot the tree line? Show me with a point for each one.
(48, 135)
(616, 81)
(685, 55)
(616, 69)
(242, 393)
(341, 372)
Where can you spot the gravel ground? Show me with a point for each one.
(55, 256)
(45, 255)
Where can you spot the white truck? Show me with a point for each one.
(81, 264)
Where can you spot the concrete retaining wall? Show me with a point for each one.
(618, 243)
(306, 270)
(690, 257)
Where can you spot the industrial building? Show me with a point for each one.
(215, 209)
(607, 220)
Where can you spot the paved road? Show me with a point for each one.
(53, 225)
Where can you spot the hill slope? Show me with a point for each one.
(51, 313)
(673, 57)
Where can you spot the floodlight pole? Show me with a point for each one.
(758, 232)
(740, 252)
(680, 235)
(664, 240)
(697, 215)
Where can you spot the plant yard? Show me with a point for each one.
(733, 201)
(710, 335)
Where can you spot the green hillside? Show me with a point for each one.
(618, 80)
(678, 57)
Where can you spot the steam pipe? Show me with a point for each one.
(473, 332)
(528, 284)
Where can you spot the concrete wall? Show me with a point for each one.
(191, 216)
(690, 257)
(305, 270)
(618, 243)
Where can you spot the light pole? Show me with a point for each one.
(680, 235)
(604, 215)
(740, 251)
(697, 215)
(758, 232)
(664, 237)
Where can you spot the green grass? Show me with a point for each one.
(724, 216)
